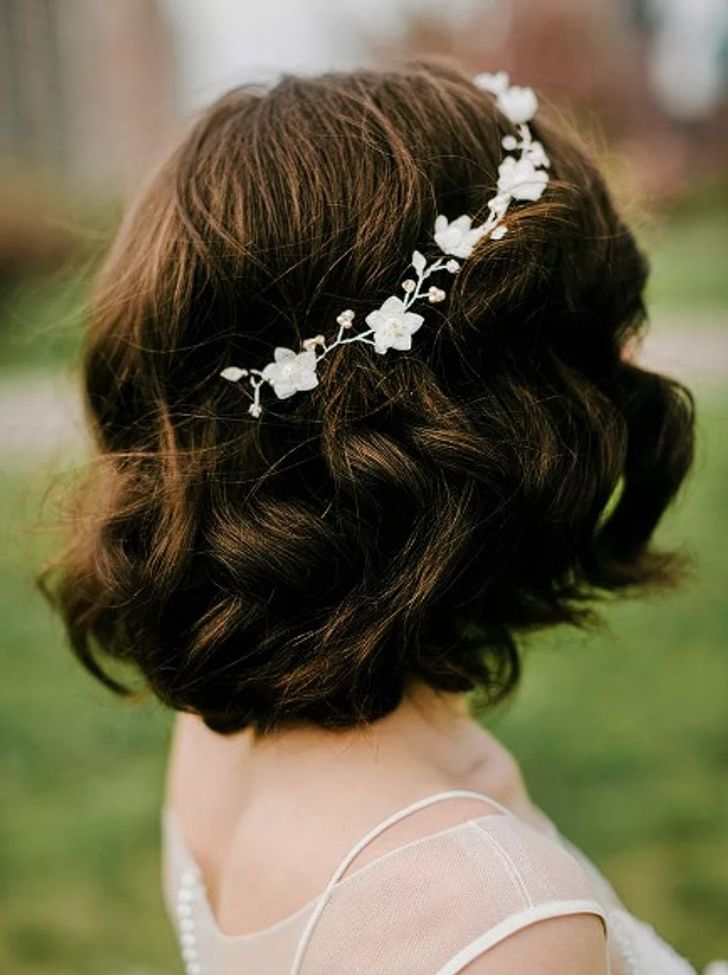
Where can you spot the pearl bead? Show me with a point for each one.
(188, 891)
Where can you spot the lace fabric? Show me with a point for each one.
(430, 905)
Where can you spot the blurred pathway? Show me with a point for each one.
(40, 414)
(693, 348)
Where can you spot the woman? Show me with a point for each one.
(358, 373)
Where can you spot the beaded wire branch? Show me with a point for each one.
(391, 326)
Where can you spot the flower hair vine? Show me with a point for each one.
(392, 325)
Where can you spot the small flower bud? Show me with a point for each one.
(346, 318)
(435, 295)
(233, 373)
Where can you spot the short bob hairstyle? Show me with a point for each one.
(413, 515)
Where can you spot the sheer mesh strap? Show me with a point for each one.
(549, 878)
(436, 903)
(516, 922)
(365, 840)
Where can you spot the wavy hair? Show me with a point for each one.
(413, 515)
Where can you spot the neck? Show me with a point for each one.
(429, 743)
(430, 733)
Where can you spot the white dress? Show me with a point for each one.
(426, 907)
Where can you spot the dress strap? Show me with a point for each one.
(395, 817)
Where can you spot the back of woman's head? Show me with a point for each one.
(414, 513)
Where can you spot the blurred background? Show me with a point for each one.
(622, 733)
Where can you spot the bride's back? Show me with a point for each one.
(287, 813)
(315, 881)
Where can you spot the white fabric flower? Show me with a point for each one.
(717, 968)
(537, 154)
(393, 325)
(493, 83)
(498, 205)
(519, 105)
(457, 238)
(292, 372)
(520, 179)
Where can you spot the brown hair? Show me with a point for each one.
(410, 516)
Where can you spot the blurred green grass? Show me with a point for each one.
(622, 733)
(80, 786)
(688, 262)
(41, 321)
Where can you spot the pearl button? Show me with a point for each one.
(187, 893)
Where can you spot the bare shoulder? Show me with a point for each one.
(571, 945)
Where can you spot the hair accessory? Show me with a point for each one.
(392, 325)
